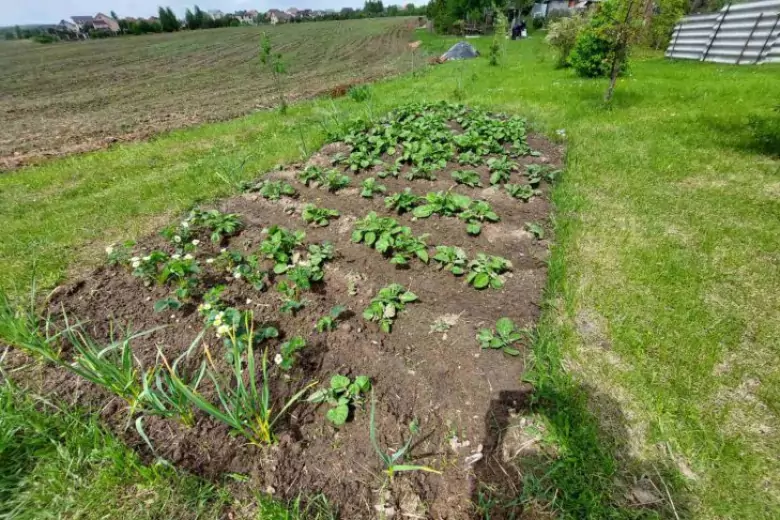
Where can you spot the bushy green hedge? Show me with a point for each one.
(596, 44)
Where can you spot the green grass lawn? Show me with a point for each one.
(658, 351)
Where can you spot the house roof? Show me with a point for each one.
(82, 19)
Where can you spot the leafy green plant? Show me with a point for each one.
(452, 259)
(288, 352)
(244, 406)
(538, 172)
(442, 203)
(504, 337)
(274, 190)
(303, 276)
(359, 93)
(119, 254)
(485, 271)
(384, 307)
(292, 306)
(500, 169)
(523, 192)
(393, 461)
(402, 201)
(22, 327)
(362, 159)
(319, 216)
(220, 224)
(470, 158)
(406, 246)
(320, 253)
(342, 395)
(330, 321)
(279, 246)
(535, 229)
(167, 304)
(478, 212)
(468, 178)
(310, 175)
(375, 231)
(371, 187)
(334, 180)
(423, 171)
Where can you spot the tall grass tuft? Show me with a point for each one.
(23, 328)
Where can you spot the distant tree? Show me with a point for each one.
(410, 8)
(392, 10)
(168, 19)
(272, 61)
(373, 8)
(114, 16)
(18, 32)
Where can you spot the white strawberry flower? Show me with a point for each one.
(278, 359)
(222, 330)
(136, 264)
(135, 259)
(147, 258)
(177, 239)
(195, 242)
(237, 275)
(176, 256)
(109, 250)
(185, 224)
(188, 256)
(209, 260)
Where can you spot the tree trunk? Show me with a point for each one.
(621, 50)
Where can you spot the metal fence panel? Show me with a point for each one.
(739, 34)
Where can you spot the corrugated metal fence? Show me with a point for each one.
(742, 34)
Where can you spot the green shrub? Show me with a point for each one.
(537, 22)
(359, 93)
(562, 36)
(597, 43)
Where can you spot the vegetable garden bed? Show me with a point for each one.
(374, 312)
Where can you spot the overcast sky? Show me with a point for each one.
(52, 11)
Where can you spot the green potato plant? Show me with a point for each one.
(279, 246)
(330, 321)
(274, 190)
(485, 271)
(524, 192)
(403, 201)
(318, 216)
(500, 169)
(478, 212)
(370, 187)
(452, 259)
(504, 337)
(468, 178)
(442, 203)
(384, 307)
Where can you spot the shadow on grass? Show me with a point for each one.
(755, 133)
(573, 468)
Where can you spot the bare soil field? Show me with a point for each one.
(428, 367)
(74, 97)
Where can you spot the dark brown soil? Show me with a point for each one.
(460, 394)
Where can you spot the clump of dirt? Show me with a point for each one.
(429, 369)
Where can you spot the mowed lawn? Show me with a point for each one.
(83, 95)
(663, 314)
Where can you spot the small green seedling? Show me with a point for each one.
(442, 203)
(478, 212)
(504, 337)
(500, 169)
(342, 395)
(535, 229)
(330, 321)
(392, 461)
(523, 192)
(371, 187)
(274, 190)
(318, 216)
(311, 175)
(468, 178)
(288, 352)
(452, 259)
(485, 271)
(403, 201)
(386, 305)
(334, 180)
(321, 253)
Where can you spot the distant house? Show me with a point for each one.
(293, 12)
(84, 23)
(102, 22)
(245, 16)
(276, 16)
(545, 8)
(68, 26)
(216, 14)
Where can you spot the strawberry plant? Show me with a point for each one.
(147, 267)
(303, 276)
(442, 203)
(330, 321)
(452, 259)
(279, 246)
(402, 201)
(318, 216)
(485, 271)
(220, 224)
(274, 190)
(288, 352)
(334, 180)
(469, 159)
(468, 178)
(119, 254)
(478, 212)
(523, 192)
(500, 169)
(310, 175)
(384, 307)
(371, 187)
(342, 395)
(535, 229)
(503, 337)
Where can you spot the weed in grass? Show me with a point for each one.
(452, 259)
(330, 321)
(393, 462)
(359, 93)
(524, 192)
(500, 169)
(386, 305)
(244, 406)
(403, 201)
(442, 203)
(273, 190)
(342, 396)
(478, 212)
(503, 337)
(288, 352)
(370, 188)
(468, 178)
(318, 216)
(485, 271)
